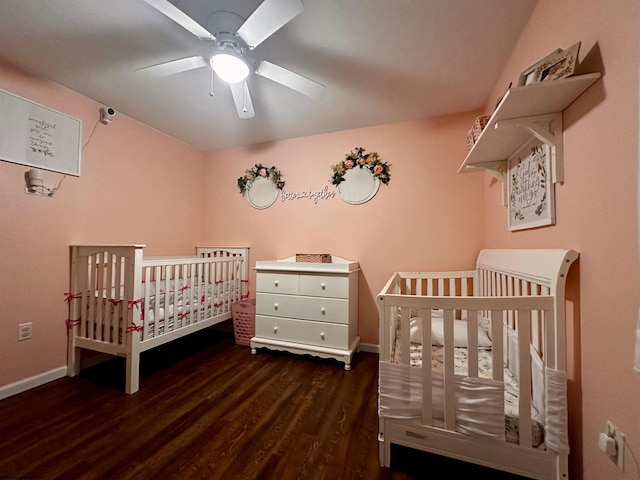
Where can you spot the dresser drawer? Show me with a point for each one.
(324, 286)
(277, 283)
(302, 331)
(334, 310)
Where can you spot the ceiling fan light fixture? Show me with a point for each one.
(229, 67)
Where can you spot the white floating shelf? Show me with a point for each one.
(531, 110)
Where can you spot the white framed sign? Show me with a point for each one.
(34, 135)
(530, 189)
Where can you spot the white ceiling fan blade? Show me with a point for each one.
(175, 66)
(270, 16)
(290, 79)
(181, 18)
(242, 99)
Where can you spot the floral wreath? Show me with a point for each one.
(371, 161)
(258, 170)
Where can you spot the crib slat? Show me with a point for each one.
(550, 339)
(472, 335)
(238, 278)
(87, 290)
(524, 385)
(146, 302)
(105, 333)
(427, 384)
(118, 281)
(96, 324)
(184, 291)
(225, 289)
(497, 342)
(449, 372)
(201, 276)
(202, 283)
(405, 345)
(156, 305)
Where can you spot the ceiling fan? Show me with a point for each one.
(230, 58)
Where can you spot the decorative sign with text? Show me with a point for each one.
(313, 195)
(530, 189)
(34, 135)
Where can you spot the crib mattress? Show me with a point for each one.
(511, 386)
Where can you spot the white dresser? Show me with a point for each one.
(307, 308)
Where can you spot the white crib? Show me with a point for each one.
(491, 389)
(123, 304)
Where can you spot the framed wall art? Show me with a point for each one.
(558, 66)
(528, 76)
(34, 135)
(530, 189)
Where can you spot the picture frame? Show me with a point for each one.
(38, 136)
(528, 76)
(531, 195)
(558, 66)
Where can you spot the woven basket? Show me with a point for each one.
(313, 257)
(244, 320)
(476, 130)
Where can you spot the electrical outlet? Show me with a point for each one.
(614, 433)
(25, 331)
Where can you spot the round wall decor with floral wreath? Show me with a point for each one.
(261, 185)
(358, 177)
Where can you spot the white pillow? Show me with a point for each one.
(437, 333)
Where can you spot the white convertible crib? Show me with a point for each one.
(123, 304)
(493, 391)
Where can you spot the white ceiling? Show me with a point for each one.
(381, 61)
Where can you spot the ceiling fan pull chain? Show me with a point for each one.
(244, 97)
(211, 92)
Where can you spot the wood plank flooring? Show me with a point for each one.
(208, 409)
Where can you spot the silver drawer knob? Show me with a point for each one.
(323, 286)
(276, 283)
(323, 310)
(275, 329)
(322, 335)
(275, 306)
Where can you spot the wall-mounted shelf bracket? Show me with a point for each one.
(548, 129)
(497, 169)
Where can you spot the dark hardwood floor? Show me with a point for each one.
(208, 409)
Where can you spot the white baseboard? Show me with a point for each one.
(369, 347)
(32, 382)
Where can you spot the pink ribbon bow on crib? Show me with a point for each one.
(131, 303)
(71, 323)
(70, 296)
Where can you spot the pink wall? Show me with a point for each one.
(596, 214)
(428, 217)
(126, 190)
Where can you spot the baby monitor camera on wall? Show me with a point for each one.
(106, 115)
